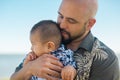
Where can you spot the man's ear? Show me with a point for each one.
(91, 22)
(50, 46)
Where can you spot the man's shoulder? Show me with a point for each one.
(103, 56)
(104, 62)
(101, 51)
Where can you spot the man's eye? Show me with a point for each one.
(72, 21)
(60, 16)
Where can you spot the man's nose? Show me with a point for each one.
(63, 24)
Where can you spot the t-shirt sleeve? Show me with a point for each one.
(19, 67)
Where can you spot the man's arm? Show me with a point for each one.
(22, 74)
(46, 66)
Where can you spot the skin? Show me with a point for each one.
(48, 66)
(76, 18)
(67, 73)
(39, 48)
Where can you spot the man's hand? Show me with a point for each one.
(46, 66)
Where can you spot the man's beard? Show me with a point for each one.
(70, 38)
(67, 41)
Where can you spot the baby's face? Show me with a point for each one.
(37, 46)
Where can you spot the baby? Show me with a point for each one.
(46, 38)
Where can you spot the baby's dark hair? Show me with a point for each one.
(49, 31)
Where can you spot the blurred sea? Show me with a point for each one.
(8, 63)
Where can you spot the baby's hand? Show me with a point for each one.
(30, 57)
(68, 73)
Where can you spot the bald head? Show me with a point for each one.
(88, 7)
(92, 6)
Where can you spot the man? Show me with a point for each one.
(95, 61)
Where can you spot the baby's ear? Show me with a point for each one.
(51, 46)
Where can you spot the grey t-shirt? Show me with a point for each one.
(96, 61)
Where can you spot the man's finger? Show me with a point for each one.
(53, 73)
(57, 62)
(57, 68)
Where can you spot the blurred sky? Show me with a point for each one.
(18, 16)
